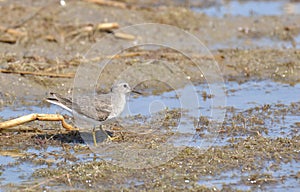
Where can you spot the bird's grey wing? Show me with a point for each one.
(95, 107)
(103, 106)
(61, 101)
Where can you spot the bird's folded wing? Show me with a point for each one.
(97, 108)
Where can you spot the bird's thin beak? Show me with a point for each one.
(136, 92)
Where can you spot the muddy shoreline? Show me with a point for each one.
(52, 39)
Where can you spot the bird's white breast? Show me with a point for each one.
(118, 104)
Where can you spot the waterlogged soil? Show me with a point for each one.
(251, 151)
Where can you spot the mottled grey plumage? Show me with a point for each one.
(103, 106)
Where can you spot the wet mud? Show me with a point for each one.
(255, 148)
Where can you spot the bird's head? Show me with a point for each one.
(123, 88)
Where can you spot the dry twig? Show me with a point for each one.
(124, 36)
(66, 75)
(109, 3)
(107, 26)
(12, 31)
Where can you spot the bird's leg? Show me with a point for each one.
(107, 135)
(94, 136)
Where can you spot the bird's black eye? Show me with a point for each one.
(124, 85)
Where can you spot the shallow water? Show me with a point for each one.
(264, 42)
(19, 170)
(253, 93)
(240, 97)
(19, 173)
(250, 8)
(241, 181)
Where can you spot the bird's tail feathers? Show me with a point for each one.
(56, 99)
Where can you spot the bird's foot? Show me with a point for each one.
(107, 138)
(110, 138)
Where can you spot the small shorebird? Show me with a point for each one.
(105, 106)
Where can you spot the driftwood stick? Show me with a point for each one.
(35, 116)
(119, 56)
(67, 75)
(12, 153)
(130, 54)
(89, 28)
(108, 3)
(124, 36)
(8, 39)
(107, 26)
(11, 31)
